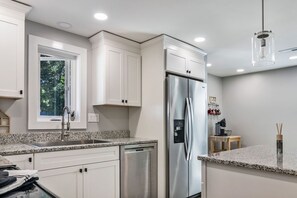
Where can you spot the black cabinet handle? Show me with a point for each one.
(80, 170)
(30, 159)
(21, 92)
(126, 101)
(190, 71)
(86, 170)
(123, 101)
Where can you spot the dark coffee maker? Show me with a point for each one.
(220, 128)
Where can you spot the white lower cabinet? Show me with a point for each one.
(101, 180)
(64, 182)
(87, 173)
(22, 161)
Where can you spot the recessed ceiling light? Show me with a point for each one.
(240, 70)
(293, 57)
(64, 25)
(208, 64)
(199, 39)
(100, 16)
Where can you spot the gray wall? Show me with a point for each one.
(215, 88)
(253, 103)
(111, 118)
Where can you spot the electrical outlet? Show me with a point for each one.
(93, 117)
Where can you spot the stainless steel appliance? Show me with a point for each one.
(139, 171)
(186, 135)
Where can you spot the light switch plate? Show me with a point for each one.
(93, 117)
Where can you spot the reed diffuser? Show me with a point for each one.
(279, 139)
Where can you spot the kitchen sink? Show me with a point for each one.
(68, 143)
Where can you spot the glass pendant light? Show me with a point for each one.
(263, 46)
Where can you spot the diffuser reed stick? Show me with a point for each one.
(279, 139)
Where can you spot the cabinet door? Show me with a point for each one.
(102, 180)
(196, 67)
(133, 79)
(176, 62)
(115, 76)
(24, 162)
(12, 57)
(64, 182)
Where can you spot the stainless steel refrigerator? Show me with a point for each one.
(186, 135)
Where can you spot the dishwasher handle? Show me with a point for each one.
(139, 149)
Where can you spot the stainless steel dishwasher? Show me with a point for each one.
(139, 171)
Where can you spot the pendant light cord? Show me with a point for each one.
(262, 15)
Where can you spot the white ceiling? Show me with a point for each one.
(227, 25)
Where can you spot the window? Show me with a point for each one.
(57, 78)
(56, 84)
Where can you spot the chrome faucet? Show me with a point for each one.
(63, 134)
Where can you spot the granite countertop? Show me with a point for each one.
(28, 148)
(260, 157)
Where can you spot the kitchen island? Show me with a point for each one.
(251, 172)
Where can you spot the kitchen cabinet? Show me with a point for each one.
(133, 79)
(115, 90)
(22, 161)
(87, 173)
(116, 71)
(12, 39)
(64, 182)
(180, 62)
(101, 179)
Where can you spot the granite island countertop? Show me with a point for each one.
(263, 158)
(28, 148)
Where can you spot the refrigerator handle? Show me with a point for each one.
(187, 129)
(191, 135)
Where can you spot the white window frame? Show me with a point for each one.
(35, 121)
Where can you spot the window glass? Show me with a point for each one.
(55, 84)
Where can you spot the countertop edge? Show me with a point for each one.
(249, 166)
(35, 149)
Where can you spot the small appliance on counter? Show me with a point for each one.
(220, 128)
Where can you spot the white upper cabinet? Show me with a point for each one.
(12, 39)
(115, 90)
(176, 62)
(116, 71)
(185, 62)
(133, 79)
(196, 67)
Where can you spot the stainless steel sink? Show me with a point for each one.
(68, 143)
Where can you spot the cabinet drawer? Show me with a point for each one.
(44, 161)
(22, 161)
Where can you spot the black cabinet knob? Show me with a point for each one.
(30, 159)
(86, 170)
(123, 101)
(80, 170)
(21, 92)
(126, 101)
(189, 71)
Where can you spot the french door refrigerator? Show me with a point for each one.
(186, 135)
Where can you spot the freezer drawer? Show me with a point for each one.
(139, 171)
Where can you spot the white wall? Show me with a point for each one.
(111, 118)
(215, 88)
(253, 103)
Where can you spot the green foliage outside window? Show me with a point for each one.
(52, 87)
